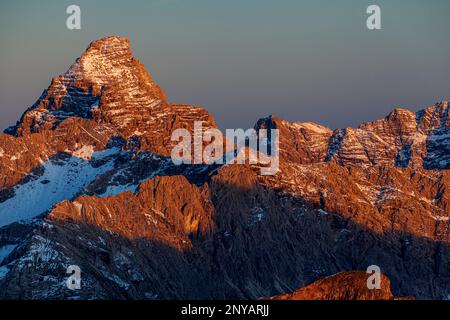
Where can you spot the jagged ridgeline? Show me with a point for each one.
(86, 179)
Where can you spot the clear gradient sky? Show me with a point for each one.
(311, 60)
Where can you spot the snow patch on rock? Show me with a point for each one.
(62, 180)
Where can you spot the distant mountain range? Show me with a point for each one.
(86, 179)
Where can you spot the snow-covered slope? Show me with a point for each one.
(61, 178)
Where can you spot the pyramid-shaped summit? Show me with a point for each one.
(108, 85)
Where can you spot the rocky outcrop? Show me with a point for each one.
(299, 142)
(403, 139)
(343, 286)
(381, 199)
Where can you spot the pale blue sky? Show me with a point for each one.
(308, 60)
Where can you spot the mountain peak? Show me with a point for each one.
(110, 87)
(106, 76)
(350, 285)
(110, 42)
(110, 48)
(105, 62)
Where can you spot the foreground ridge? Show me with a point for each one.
(343, 286)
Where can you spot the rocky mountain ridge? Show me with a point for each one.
(86, 179)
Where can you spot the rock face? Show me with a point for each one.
(342, 286)
(302, 143)
(387, 175)
(86, 179)
(167, 209)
